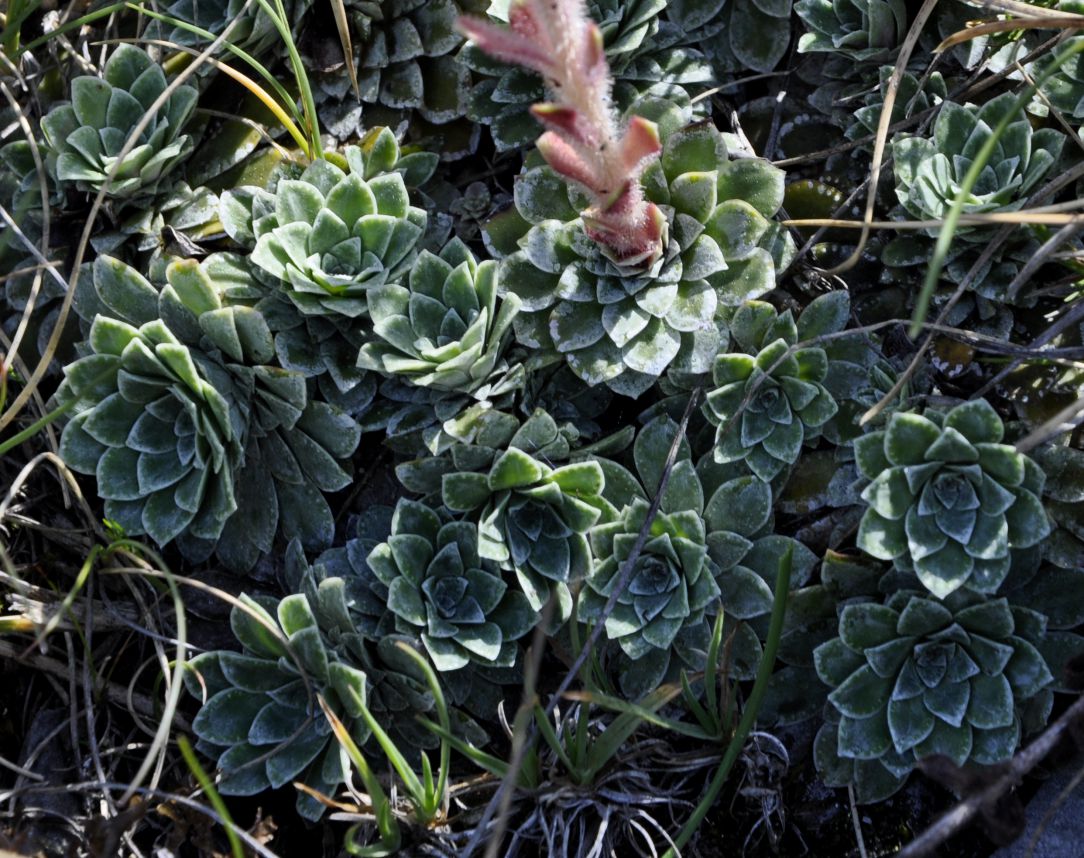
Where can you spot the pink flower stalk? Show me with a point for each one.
(582, 142)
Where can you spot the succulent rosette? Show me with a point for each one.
(918, 676)
(948, 500)
(330, 236)
(190, 431)
(260, 717)
(1062, 88)
(252, 29)
(930, 170)
(444, 328)
(533, 518)
(929, 173)
(403, 53)
(20, 194)
(769, 402)
(624, 323)
(659, 621)
(84, 137)
(735, 37)
(441, 589)
(860, 30)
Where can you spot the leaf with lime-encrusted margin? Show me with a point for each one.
(862, 694)
(744, 593)
(870, 454)
(1064, 467)
(225, 719)
(742, 505)
(826, 314)
(834, 661)
(977, 421)
(651, 448)
(867, 625)
(256, 628)
(864, 738)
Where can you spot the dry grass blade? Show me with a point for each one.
(338, 8)
(1043, 218)
(1064, 421)
(1028, 17)
(987, 28)
(46, 221)
(883, 124)
(520, 733)
(1014, 7)
(252, 86)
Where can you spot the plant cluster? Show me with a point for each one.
(622, 417)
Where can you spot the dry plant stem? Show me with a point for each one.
(521, 734)
(95, 787)
(1043, 217)
(1074, 314)
(1014, 7)
(1063, 22)
(66, 476)
(271, 628)
(1020, 765)
(882, 129)
(43, 188)
(247, 82)
(623, 576)
(919, 355)
(1065, 420)
(1040, 257)
(856, 820)
(996, 241)
(625, 573)
(181, 647)
(114, 692)
(50, 432)
(965, 93)
(1057, 115)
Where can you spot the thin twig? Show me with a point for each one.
(1020, 765)
(623, 576)
(113, 691)
(883, 122)
(857, 822)
(521, 735)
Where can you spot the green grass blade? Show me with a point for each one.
(643, 713)
(208, 788)
(75, 24)
(606, 746)
(706, 719)
(252, 62)
(438, 793)
(952, 220)
(752, 705)
(711, 668)
(545, 729)
(486, 762)
(300, 75)
(386, 824)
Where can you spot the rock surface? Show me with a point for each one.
(1063, 834)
